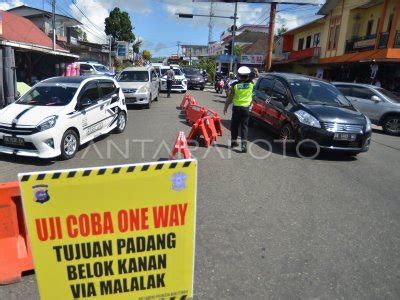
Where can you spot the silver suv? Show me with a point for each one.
(378, 104)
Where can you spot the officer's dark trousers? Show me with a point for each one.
(240, 119)
(169, 87)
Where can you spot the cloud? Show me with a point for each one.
(10, 4)
(97, 10)
(247, 13)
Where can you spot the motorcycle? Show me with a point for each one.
(219, 86)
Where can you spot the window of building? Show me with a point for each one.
(316, 39)
(370, 24)
(301, 44)
(377, 26)
(336, 40)
(308, 42)
(334, 32)
(389, 23)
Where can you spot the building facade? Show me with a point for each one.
(354, 40)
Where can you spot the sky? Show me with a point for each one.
(156, 24)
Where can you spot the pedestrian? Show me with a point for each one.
(170, 80)
(241, 97)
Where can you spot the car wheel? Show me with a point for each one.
(156, 98)
(202, 88)
(287, 134)
(391, 125)
(148, 105)
(69, 144)
(121, 122)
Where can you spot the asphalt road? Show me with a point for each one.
(281, 227)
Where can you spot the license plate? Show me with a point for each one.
(15, 141)
(345, 137)
(130, 100)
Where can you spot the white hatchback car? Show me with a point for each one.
(180, 83)
(59, 114)
(140, 85)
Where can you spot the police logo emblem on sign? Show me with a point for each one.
(41, 193)
(179, 181)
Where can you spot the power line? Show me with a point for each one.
(88, 29)
(94, 25)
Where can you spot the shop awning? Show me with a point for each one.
(390, 54)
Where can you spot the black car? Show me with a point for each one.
(309, 111)
(194, 77)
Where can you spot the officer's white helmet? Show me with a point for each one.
(244, 71)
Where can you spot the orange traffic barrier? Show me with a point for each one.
(181, 146)
(199, 131)
(189, 103)
(185, 99)
(15, 253)
(217, 121)
(210, 128)
(194, 113)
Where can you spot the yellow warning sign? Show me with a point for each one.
(120, 232)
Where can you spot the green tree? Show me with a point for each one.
(146, 54)
(82, 36)
(136, 46)
(119, 26)
(238, 50)
(281, 31)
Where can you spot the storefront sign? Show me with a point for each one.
(121, 232)
(364, 44)
(252, 59)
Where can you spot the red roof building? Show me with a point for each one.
(20, 32)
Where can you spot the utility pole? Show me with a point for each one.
(53, 10)
(233, 38)
(178, 43)
(268, 58)
(109, 54)
(211, 23)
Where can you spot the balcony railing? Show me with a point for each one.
(360, 44)
(305, 53)
(397, 40)
(383, 40)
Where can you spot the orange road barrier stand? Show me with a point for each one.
(189, 103)
(199, 131)
(185, 99)
(217, 121)
(15, 253)
(210, 128)
(181, 146)
(194, 113)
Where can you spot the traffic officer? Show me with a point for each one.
(241, 96)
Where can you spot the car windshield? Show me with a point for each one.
(101, 68)
(192, 72)
(134, 76)
(48, 95)
(317, 92)
(177, 72)
(389, 94)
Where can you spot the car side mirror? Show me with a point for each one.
(375, 99)
(115, 97)
(281, 98)
(85, 102)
